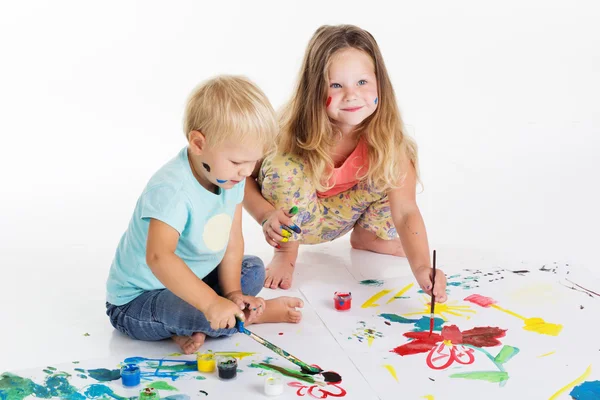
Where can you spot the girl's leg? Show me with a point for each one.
(375, 231)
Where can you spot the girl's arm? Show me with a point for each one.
(254, 202)
(411, 229)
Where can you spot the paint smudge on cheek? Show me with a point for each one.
(328, 102)
(376, 100)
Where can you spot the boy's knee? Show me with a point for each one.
(253, 275)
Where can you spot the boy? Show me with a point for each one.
(179, 270)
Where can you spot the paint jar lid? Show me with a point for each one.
(343, 295)
(226, 362)
(273, 385)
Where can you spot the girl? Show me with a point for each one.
(343, 159)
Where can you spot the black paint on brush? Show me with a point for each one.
(332, 377)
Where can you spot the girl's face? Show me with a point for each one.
(352, 93)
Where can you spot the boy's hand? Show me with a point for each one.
(424, 275)
(277, 227)
(221, 313)
(255, 306)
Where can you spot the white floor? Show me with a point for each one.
(51, 300)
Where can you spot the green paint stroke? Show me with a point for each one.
(104, 375)
(506, 354)
(490, 376)
(200, 378)
(162, 385)
(48, 371)
(284, 371)
(176, 368)
(80, 370)
(82, 376)
(51, 368)
(372, 282)
(13, 387)
(420, 325)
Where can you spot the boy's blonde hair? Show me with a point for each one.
(231, 107)
(307, 132)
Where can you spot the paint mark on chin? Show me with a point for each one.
(221, 180)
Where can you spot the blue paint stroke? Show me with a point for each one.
(589, 390)
(221, 180)
(160, 370)
(420, 325)
(104, 375)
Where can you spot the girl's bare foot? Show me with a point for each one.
(280, 270)
(190, 344)
(281, 309)
(362, 239)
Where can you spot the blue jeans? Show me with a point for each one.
(159, 314)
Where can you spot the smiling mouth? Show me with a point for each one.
(352, 109)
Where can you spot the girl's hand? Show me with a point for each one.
(424, 278)
(278, 226)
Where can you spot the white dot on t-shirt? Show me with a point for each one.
(216, 232)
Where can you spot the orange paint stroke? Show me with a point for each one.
(576, 382)
(374, 298)
(401, 292)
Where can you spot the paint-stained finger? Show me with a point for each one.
(274, 235)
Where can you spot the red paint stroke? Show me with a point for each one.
(317, 391)
(328, 101)
(447, 347)
(480, 300)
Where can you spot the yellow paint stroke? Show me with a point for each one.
(370, 340)
(391, 370)
(508, 312)
(236, 354)
(547, 354)
(445, 308)
(428, 397)
(401, 292)
(374, 298)
(175, 355)
(573, 384)
(540, 326)
(537, 325)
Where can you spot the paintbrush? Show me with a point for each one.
(304, 366)
(431, 316)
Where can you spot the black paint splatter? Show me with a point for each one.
(431, 379)
(521, 271)
(387, 322)
(206, 166)
(204, 393)
(332, 377)
(581, 307)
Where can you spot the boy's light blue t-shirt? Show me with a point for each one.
(202, 218)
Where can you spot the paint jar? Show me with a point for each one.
(342, 300)
(130, 375)
(227, 367)
(206, 362)
(149, 394)
(273, 385)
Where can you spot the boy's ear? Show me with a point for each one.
(197, 143)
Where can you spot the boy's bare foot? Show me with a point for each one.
(190, 344)
(280, 270)
(362, 239)
(281, 309)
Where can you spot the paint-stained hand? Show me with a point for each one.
(253, 307)
(424, 278)
(278, 226)
(221, 313)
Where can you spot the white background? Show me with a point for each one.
(503, 99)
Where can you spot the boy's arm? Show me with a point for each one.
(254, 202)
(230, 269)
(172, 270)
(411, 229)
